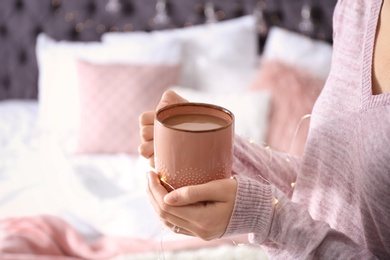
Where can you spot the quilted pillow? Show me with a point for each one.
(112, 96)
(58, 76)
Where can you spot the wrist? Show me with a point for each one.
(253, 209)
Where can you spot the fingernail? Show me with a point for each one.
(171, 198)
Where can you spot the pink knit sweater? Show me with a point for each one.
(334, 202)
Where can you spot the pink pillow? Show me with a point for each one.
(112, 96)
(293, 94)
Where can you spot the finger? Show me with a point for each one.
(197, 221)
(146, 118)
(151, 161)
(146, 132)
(214, 191)
(146, 149)
(170, 97)
(166, 213)
(185, 232)
(155, 192)
(179, 230)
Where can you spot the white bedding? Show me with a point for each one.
(38, 176)
(99, 194)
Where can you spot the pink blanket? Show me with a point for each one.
(47, 237)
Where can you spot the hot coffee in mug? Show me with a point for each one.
(193, 144)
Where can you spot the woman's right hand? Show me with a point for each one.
(146, 122)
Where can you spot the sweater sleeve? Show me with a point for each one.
(294, 234)
(266, 212)
(265, 165)
(255, 168)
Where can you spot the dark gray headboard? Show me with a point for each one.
(85, 20)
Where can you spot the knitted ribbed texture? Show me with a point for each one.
(334, 203)
(254, 213)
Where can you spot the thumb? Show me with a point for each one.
(213, 191)
(170, 97)
(162, 104)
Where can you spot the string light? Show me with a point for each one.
(79, 27)
(70, 17)
(220, 15)
(89, 23)
(162, 179)
(128, 27)
(297, 129)
(237, 244)
(114, 29)
(101, 28)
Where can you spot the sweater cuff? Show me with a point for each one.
(253, 209)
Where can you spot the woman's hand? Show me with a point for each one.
(146, 122)
(200, 210)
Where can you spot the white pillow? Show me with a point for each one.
(216, 57)
(298, 50)
(250, 109)
(58, 81)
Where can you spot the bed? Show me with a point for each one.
(75, 75)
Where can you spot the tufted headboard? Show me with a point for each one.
(86, 20)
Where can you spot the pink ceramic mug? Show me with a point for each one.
(193, 144)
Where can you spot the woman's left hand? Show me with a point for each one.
(201, 210)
